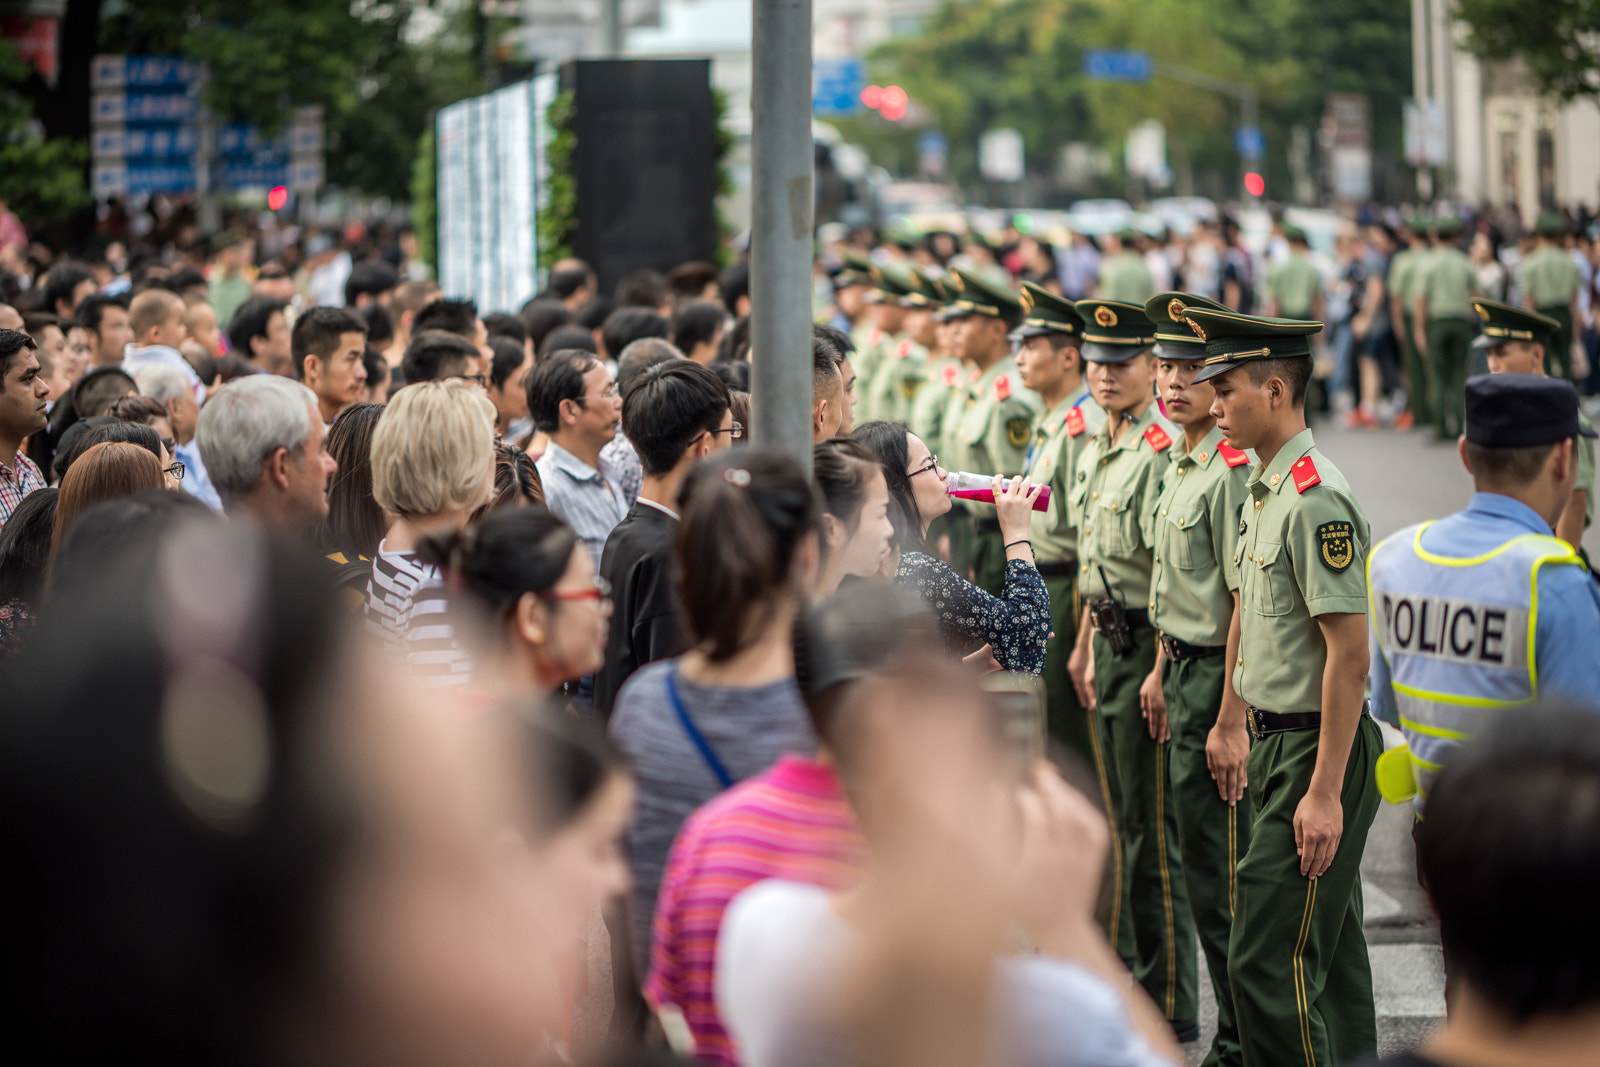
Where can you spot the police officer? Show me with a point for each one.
(1118, 474)
(995, 425)
(903, 358)
(1455, 602)
(1297, 958)
(1517, 341)
(1193, 528)
(1550, 284)
(1446, 282)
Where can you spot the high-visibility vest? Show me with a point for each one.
(1458, 635)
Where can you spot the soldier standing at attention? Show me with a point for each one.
(1297, 957)
(1446, 283)
(1193, 528)
(900, 363)
(887, 314)
(1404, 269)
(1117, 478)
(1123, 275)
(854, 287)
(996, 422)
(1550, 284)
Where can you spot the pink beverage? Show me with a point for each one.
(964, 486)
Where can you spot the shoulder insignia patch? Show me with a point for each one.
(951, 374)
(1018, 430)
(1158, 438)
(1305, 474)
(1074, 423)
(1002, 386)
(1232, 455)
(1336, 544)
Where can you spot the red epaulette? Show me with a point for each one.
(1158, 438)
(903, 349)
(1074, 423)
(1002, 386)
(1305, 474)
(1233, 456)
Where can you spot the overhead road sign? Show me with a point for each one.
(1114, 65)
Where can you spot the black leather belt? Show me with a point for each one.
(1138, 618)
(1266, 723)
(1068, 569)
(1177, 650)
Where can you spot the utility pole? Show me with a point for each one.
(780, 235)
(611, 29)
(1245, 94)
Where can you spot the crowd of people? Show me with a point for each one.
(362, 649)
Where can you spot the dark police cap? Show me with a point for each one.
(1114, 332)
(975, 296)
(1232, 339)
(1521, 411)
(1044, 312)
(1174, 339)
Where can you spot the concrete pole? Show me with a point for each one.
(611, 29)
(780, 234)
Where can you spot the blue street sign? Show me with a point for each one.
(1103, 64)
(118, 72)
(836, 85)
(144, 107)
(1250, 142)
(238, 175)
(176, 176)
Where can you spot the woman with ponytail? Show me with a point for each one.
(747, 554)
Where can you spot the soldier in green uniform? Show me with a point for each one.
(1123, 275)
(991, 435)
(1404, 270)
(901, 360)
(1446, 284)
(925, 416)
(1517, 341)
(1193, 527)
(1550, 284)
(1294, 287)
(1297, 958)
(855, 287)
(1117, 477)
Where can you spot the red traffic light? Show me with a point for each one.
(1255, 184)
(278, 197)
(872, 97)
(893, 103)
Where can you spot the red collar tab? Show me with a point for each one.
(1232, 455)
(1074, 423)
(1002, 386)
(1305, 474)
(951, 373)
(904, 348)
(1159, 441)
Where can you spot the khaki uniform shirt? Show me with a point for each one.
(997, 423)
(1586, 470)
(1403, 271)
(956, 403)
(1114, 483)
(1125, 277)
(1449, 280)
(1060, 436)
(1550, 278)
(869, 341)
(1193, 526)
(894, 382)
(1294, 285)
(926, 415)
(1302, 553)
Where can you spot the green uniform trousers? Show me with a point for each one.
(1419, 376)
(1163, 929)
(1212, 834)
(1449, 346)
(988, 556)
(1302, 983)
(1079, 729)
(1558, 361)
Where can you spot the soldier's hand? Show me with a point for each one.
(1153, 705)
(1080, 668)
(1227, 755)
(1318, 825)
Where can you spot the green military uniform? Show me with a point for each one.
(1447, 281)
(1549, 282)
(1297, 958)
(900, 363)
(1295, 283)
(1404, 270)
(1192, 525)
(1117, 475)
(995, 426)
(1124, 277)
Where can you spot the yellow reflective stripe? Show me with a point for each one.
(1434, 731)
(1453, 698)
(1418, 761)
(1473, 561)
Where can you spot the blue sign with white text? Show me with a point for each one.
(1111, 65)
(836, 86)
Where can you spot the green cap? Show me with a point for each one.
(923, 291)
(857, 270)
(1550, 224)
(1174, 338)
(889, 286)
(1293, 233)
(1115, 332)
(975, 296)
(1232, 339)
(1044, 312)
(1506, 322)
(1447, 226)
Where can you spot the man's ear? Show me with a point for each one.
(818, 410)
(1461, 447)
(277, 468)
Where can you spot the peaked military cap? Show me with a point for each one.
(1521, 411)
(1232, 339)
(1550, 224)
(1447, 226)
(889, 286)
(1114, 332)
(857, 270)
(974, 296)
(1174, 338)
(1044, 312)
(922, 291)
(1506, 322)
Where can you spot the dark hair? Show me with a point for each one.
(570, 759)
(889, 441)
(203, 363)
(736, 376)
(34, 321)
(565, 282)
(735, 346)
(97, 389)
(318, 333)
(61, 281)
(25, 547)
(92, 311)
(511, 552)
(503, 324)
(86, 433)
(251, 321)
(14, 341)
(355, 524)
(114, 529)
(628, 324)
(696, 322)
(508, 356)
(184, 278)
(516, 481)
(1507, 466)
(566, 339)
(452, 316)
(1294, 370)
(375, 365)
(380, 324)
(373, 278)
(734, 282)
(641, 356)
(643, 288)
(540, 316)
(688, 281)
(841, 467)
(140, 409)
(593, 312)
(436, 354)
(826, 373)
(669, 406)
(1514, 818)
(739, 405)
(843, 344)
(557, 377)
(745, 515)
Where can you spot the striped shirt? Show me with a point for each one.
(408, 610)
(588, 500)
(17, 479)
(790, 822)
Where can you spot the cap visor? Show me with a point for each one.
(1097, 353)
(1174, 353)
(1215, 370)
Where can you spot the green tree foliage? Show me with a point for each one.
(41, 180)
(1558, 40)
(558, 219)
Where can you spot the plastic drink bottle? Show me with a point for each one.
(965, 486)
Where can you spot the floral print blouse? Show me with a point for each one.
(1016, 623)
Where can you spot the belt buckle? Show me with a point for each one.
(1252, 716)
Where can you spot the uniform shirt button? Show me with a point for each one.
(1241, 661)
(1152, 605)
(1094, 496)
(1163, 513)
(1258, 505)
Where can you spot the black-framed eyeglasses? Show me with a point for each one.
(734, 432)
(481, 380)
(933, 465)
(176, 471)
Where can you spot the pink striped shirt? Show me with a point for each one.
(790, 822)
